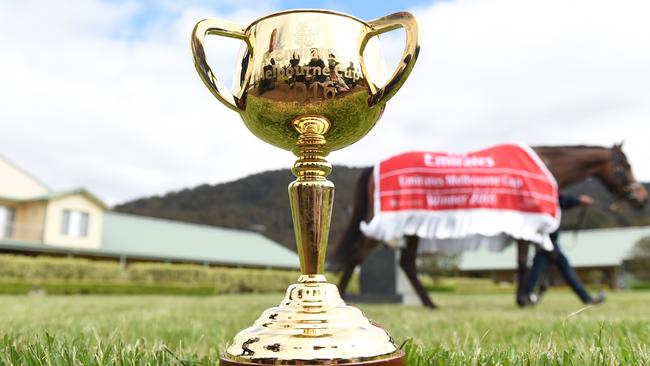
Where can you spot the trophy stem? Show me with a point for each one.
(311, 196)
(312, 325)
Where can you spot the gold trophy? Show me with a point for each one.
(303, 83)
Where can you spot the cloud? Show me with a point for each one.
(122, 116)
(552, 72)
(103, 99)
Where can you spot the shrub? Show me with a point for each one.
(640, 286)
(61, 269)
(639, 262)
(21, 274)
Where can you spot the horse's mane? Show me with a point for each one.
(570, 147)
(562, 149)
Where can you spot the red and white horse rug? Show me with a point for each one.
(457, 202)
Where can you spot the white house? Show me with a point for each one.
(37, 220)
(30, 211)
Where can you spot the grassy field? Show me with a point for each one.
(468, 329)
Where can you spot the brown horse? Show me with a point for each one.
(568, 164)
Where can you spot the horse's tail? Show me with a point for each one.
(347, 242)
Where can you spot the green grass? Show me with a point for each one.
(468, 329)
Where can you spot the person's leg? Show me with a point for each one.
(540, 263)
(570, 276)
(544, 282)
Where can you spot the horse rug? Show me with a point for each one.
(455, 202)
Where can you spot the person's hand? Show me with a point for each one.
(585, 200)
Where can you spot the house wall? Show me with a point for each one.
(54, 222)
(5, 220)
(16, 184)
(29, 221)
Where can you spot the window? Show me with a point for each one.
(7, 215)
(75, 223)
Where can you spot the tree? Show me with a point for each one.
(639, 263)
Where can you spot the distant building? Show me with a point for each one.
(597, 255)
(37, 220)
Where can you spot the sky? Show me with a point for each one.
(104, 95)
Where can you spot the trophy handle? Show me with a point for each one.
(221, 28)
(388, 23)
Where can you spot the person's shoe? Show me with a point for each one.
(524, 301)
(535, 299)
(542, 289)
(598, 299)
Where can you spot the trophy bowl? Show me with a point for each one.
(310, 81)
(308, 62)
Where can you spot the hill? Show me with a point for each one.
(260, 202)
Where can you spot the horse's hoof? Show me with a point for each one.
(524, 301)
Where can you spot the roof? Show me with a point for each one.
(81, 191)
(590, 248)
(147, 238)
(25, 173)
(133, 235)
(50, 193)
(56, 194)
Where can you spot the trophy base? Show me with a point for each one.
(313, 326)
(399, 359)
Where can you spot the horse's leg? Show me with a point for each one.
(356, 259)
(407, 262)
(522, 272)
(350, 265)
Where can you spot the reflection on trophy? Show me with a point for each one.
(310, 81)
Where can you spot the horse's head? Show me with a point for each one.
(617, 175)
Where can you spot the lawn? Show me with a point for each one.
(468, 329)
